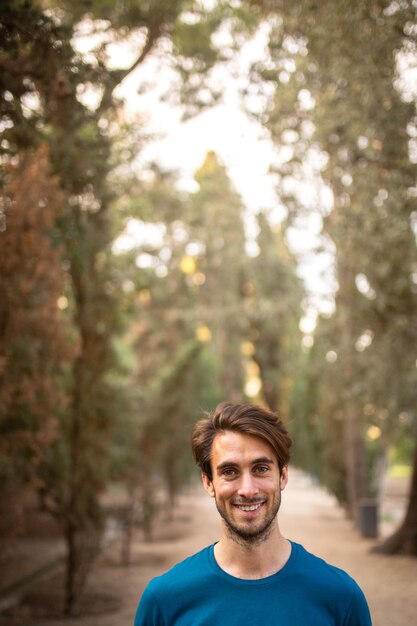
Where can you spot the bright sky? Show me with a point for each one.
(243, 146)
(240, 142)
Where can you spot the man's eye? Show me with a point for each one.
(229, 473)
(261, 469)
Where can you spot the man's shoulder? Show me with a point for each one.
(333, 587)
(184, 572)
(322, 571)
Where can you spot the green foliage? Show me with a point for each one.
(273, 308)
(216, 219)
(194, 40)
(123, 15)
(334, 75)
(42, 79)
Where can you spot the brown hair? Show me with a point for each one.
(242, 418)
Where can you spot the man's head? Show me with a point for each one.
(241, 418)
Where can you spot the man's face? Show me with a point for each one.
(246, 485)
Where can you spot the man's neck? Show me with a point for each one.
(252, 561)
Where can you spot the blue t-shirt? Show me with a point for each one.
(305, 592)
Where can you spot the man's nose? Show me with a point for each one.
(248, 487)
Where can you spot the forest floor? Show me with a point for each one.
(309, 515)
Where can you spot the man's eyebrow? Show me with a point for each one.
(225, 464)
(261, 459)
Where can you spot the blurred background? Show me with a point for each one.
(201, 200)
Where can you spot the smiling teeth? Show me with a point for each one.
(251, 507)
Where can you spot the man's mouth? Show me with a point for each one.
(249, 507)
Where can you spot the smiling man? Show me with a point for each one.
(253, 575)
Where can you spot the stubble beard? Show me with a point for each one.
(250, 537)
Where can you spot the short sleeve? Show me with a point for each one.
(358, 613)
(149, 612)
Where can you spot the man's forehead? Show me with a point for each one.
(238, 446)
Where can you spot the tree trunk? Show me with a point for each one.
(83, 517)
(404, 540)
(71, 567)
(127, 535)
(83, 545)
(355, 460)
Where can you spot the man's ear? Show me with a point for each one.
(207, 484)
(283, 479)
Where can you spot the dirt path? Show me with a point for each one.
(308, 515)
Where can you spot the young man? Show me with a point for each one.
(253, 576)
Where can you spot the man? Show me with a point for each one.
(253, 576)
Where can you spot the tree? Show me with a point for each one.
(338, 99)
(36, 345)
(273, 307)
(43, 82)
(217, 232)
(404, 540)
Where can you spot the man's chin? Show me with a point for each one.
(248, 535)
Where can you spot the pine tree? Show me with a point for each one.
(273, 307)
(216, 223)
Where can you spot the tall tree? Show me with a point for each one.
(43, 82)
(35, 342)
(217, 231)
(273, 306)
(171, 372)
(338, 95)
